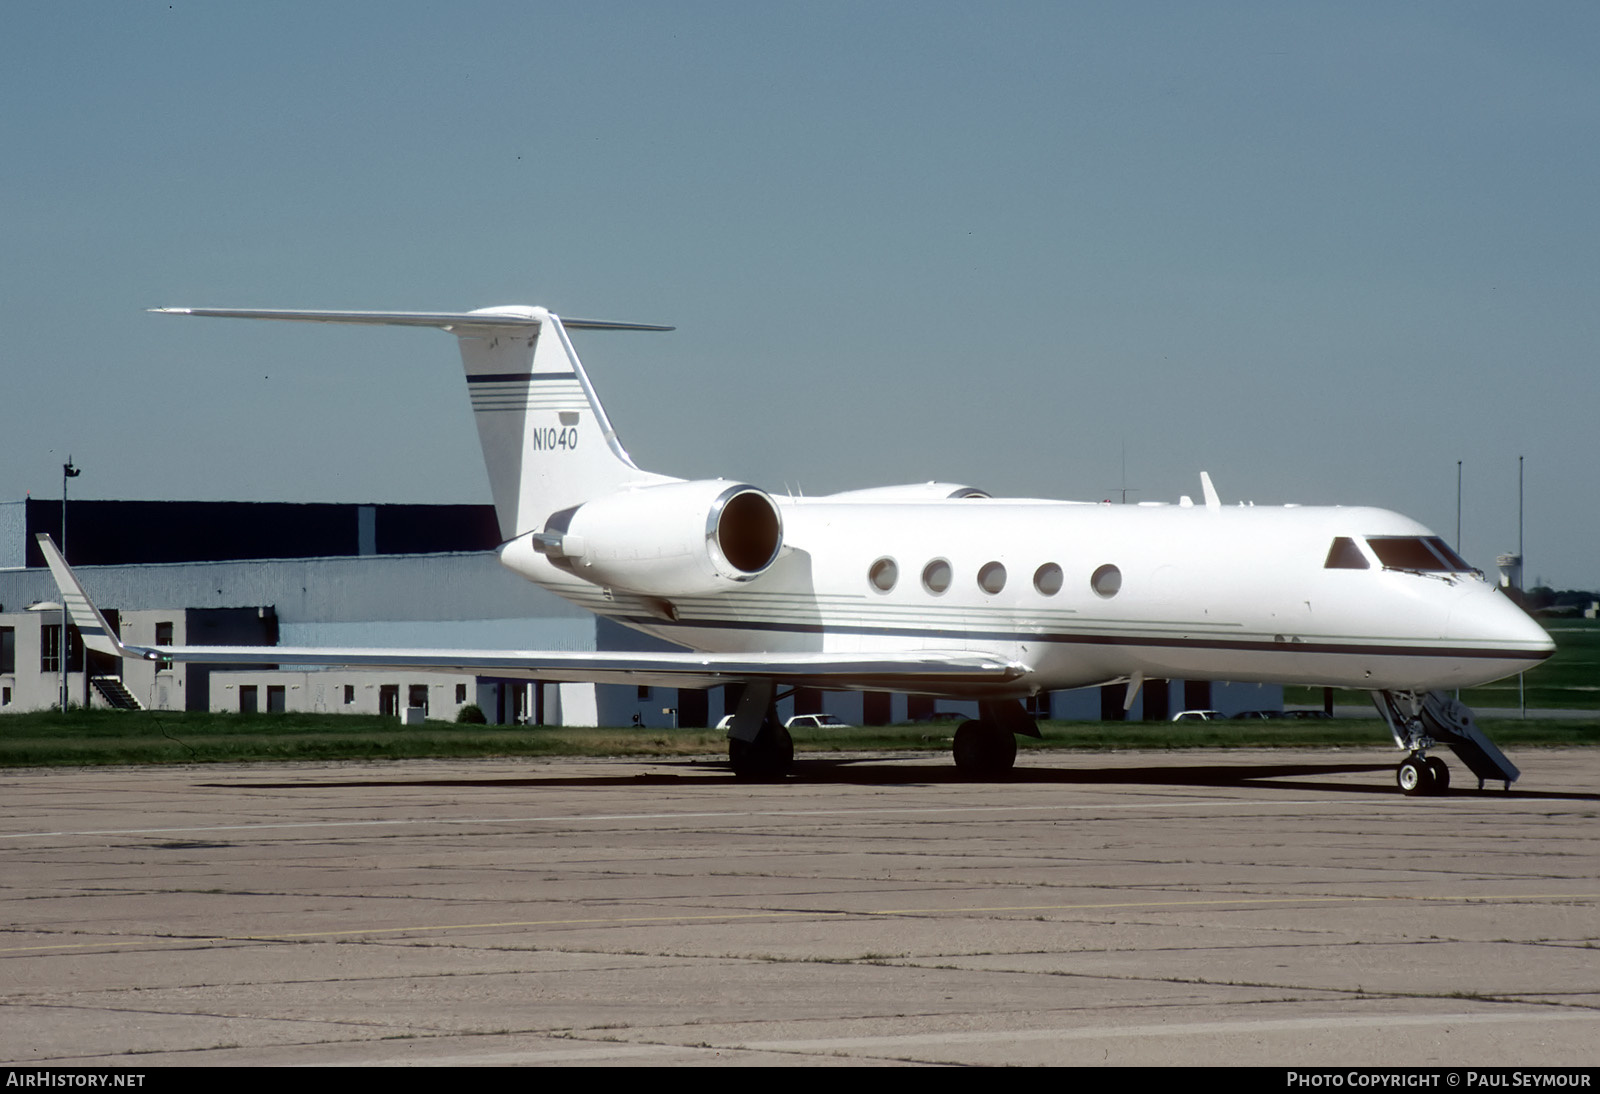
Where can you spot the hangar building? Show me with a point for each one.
(267, 573)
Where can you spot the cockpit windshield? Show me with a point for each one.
(1420, 554)
(1426, 554)
(1345, 555)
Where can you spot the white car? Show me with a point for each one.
(799, 721)
(815, 721)
(1199, 716)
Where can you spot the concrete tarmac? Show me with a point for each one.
(1182, 908)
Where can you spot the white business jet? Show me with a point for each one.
(932, 589)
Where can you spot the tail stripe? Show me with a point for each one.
(507, 377)
(563, 394)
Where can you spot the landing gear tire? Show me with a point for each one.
(983, 751)
(1414, 776)
(1419, 775)
(1441, 775)
(769, 756)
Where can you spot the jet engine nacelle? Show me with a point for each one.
(678, 539)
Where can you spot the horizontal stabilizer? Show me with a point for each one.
(452, 321)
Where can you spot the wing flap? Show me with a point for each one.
(934, 670)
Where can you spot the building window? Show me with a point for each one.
(644, 691)
(164, 638)
(50, 648)
(8, 650)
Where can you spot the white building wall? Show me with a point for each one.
(335, 691)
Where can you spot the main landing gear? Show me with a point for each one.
(1419, 721)
(986, 747)
(769, 756)
(759, 748)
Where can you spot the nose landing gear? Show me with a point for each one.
(1418, 774)
(1419, 721)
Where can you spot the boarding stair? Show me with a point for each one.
(115, 693)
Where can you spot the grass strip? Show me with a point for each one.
(94, 737)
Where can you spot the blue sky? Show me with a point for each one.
(1321, 251)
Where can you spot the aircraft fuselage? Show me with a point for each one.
(1087, 594)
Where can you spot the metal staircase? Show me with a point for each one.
(115, 693)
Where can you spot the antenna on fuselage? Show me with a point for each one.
(1124, 488)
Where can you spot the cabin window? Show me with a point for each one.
(50, 648)
(1345, 555)
(936, 576)
(1106, 581)
(883, 574)
(1047, 579)
(992, 578)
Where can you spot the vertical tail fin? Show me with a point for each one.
(547, 443)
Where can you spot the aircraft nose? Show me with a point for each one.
(1493, 619)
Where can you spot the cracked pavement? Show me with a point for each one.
(1180, 908)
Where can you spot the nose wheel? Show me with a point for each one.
(1418, 775)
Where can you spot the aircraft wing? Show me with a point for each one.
(937, 671)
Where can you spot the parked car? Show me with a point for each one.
(1258, 715)
(815, 721)
(799, 721)
(1199, 716)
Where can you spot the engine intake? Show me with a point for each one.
(679, 539)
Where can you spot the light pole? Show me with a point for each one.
(67, 472)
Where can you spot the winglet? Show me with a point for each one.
(1212, 501)
(92, 626)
